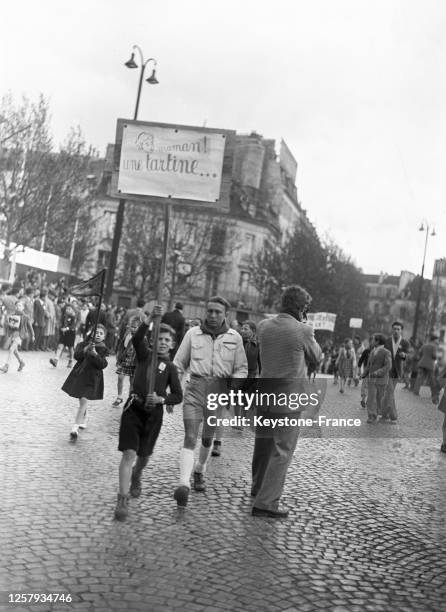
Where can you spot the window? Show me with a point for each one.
(244, 281)
(212, 281)
(130, 264)
(103, 260)
(250, 240)
(218, 237)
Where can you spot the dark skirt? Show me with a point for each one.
(84, 381)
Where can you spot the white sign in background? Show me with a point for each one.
(171, 163)
(322, 320)
(355, 323)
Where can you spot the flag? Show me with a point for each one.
(93, 286)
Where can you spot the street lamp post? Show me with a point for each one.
(424, 227)
(152, 80)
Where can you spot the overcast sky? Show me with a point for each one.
(356, 88)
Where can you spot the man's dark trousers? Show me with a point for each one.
(273, 452)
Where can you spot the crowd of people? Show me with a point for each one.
(199, 358)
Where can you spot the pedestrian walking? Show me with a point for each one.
(362, 363)
(86, 380)
(142, 418)
(346, 364)
(408, 367)
(214, 353)
(67, 336)
(251, 347)
(398, 348)
(18, 329)
(176, 320)
(126, 359)
(377, 373)
(358, 347)
(28, 309)
(286, 345)
(426, 367)
(40, 319)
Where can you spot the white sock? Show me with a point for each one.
(203, 459)
(75, 427)
(186, 466)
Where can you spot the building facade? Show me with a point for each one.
(388, 301)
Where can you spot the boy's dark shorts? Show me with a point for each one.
(139, 429)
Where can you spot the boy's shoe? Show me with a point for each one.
(70, 363)
(53, 362)
(74, 433)
(4, 368)
(341, 390)
(199, 484)
(122, 507)
(181, 496)
(362, 403)
(117, 402)
(21, 366)
(443, 448)
(216, 449)
(371, 419)
(135, 484)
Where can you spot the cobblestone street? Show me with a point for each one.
(366, 529)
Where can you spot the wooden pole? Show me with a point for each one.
(157, 319)
(99, 306)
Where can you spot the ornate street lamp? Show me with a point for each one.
(152, 80)
(430, 231)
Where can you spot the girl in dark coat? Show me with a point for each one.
(86, 380)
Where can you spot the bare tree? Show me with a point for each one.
(197, 241)
(45, 196)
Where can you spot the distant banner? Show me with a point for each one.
(171, 162)
(355, 323)
(322, 320)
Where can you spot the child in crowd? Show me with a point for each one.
(67, 336)
(18, 328)
(86, 379)
(346, 363)
(126, 358)
(142, 418)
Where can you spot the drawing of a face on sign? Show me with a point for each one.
(145, 142)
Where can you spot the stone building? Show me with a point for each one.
(437, 302)
(264, 206)
(388, 301)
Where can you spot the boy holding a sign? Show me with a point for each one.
(18, 328)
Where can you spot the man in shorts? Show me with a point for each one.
(213, 353)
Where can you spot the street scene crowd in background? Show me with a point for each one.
(196, 357)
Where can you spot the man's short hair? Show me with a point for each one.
(29, 291)
(179, 306)
(140, 303)
(166, 329)
(219, 300)
(398, 323)
(295, 296)
(380, 338)
(251, 324)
